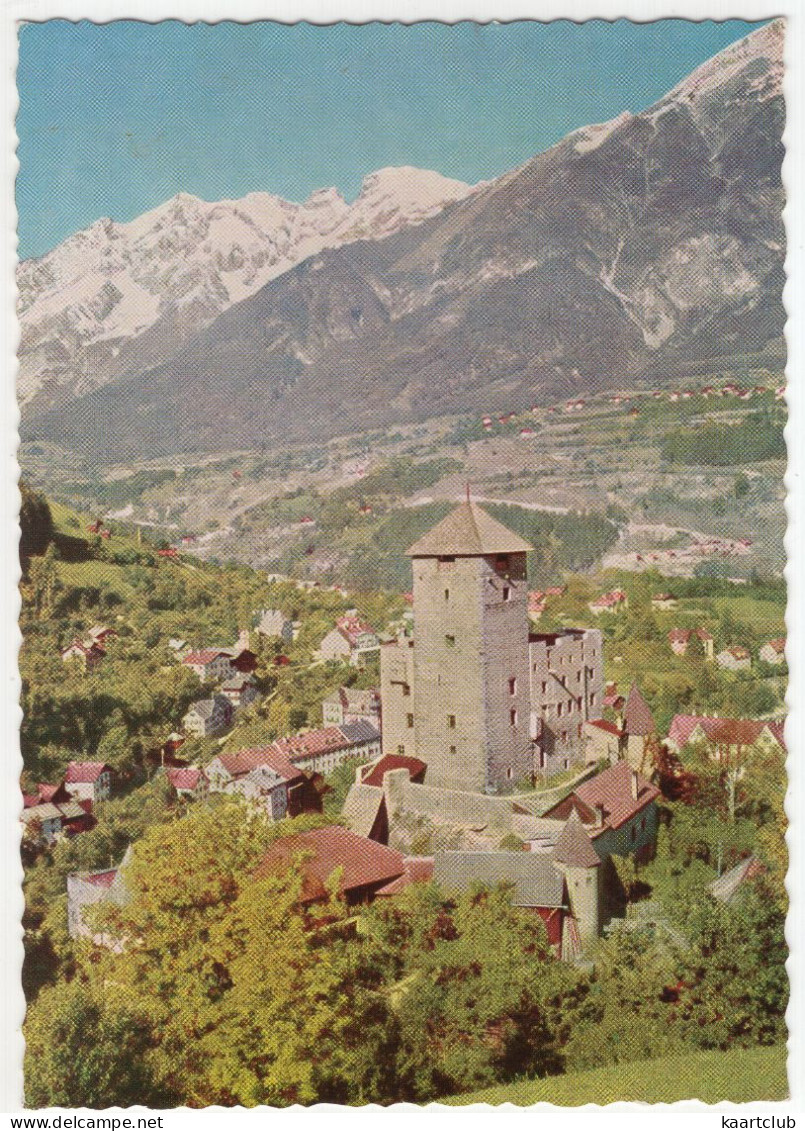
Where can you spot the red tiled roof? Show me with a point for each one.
(352, 627)
(363, 863)
(46, 792)
(777, 645)
(394, 762)
(101, 879)
(325, 740)
(683, 726)
(604, 724)
(183, 777)
(244, 761)
(418, 870)
(204, 656)
(612, 788)
(84, 772)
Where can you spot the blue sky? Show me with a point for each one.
(116, 118)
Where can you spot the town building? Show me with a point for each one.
(350, 704)
(240, 690)
(188, 782)
(351, 639)
(735, 659)
(680, 640)
(85, 653)
(484, 702)
(264, 774)
(211, 665)
(362, 867)
(773, 652)
(208, 716)
(88, 781)
(611, 602)
(324, 749)
(274, 625)
(664, 601)
(725, 737)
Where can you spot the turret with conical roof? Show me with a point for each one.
(464, 708)
(576, 857)
(638, 725)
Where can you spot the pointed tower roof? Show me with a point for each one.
(574, 847)
(468, 531)
(638, 719)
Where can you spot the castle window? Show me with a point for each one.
(451, 722)
(447, 594)
(510, 773)
(578, 677)
(401, 749)
(507, 593)
(643, 824)
(452, 749)
(410, 719)
(513, 716)
(633, 833)
(565, 763)
(559, 710)
(513, 685)
(406, 689)
(592, 700)
(564, 736)
(450, 640)
(544, 687)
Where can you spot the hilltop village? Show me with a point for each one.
(386, 762)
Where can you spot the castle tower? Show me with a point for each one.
(469, 699)
(577, 859)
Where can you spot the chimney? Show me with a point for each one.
(599, 816)
(633, 782)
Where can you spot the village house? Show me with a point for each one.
(88, 781)
(773, 652)
(188, 782)
(611, 602)
(240, 690)
(283, 790)
(273, 624)
(362, 867)
(324, 749)
(211, 665)
(86, 653)
(604, 741)
(664, 601)
(208, 716)
(618, 809)
(42, 822)
(86, 890)
(725, 737)
(735, 659)
(351, 639)
(349, 704)
(680, 639)
(99, 634)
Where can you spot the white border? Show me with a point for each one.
(359, 11)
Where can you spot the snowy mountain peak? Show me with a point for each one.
(182, 263)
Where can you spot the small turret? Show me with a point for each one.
(580, 864)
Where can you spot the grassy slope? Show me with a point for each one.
(739, 1076)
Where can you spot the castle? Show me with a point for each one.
(486, 703)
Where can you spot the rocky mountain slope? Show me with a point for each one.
(117, 296)
(636, 249)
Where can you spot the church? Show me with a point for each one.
(488, 704)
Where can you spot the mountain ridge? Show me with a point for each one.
(630, 250)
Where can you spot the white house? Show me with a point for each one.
(773, 652)
(736, 659)
(210, 664)
(208, 716)
(88, 781)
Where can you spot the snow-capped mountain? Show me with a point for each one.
(170, 271)
(643, 249)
